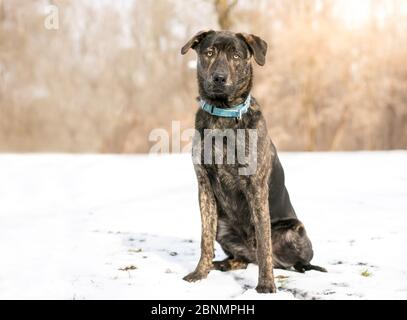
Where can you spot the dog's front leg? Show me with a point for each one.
(209, 217)
(259, 205)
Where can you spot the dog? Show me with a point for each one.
(249, 215)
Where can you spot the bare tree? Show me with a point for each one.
(103, 83)
(223, 10)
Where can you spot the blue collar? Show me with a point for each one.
(233, 112)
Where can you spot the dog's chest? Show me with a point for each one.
(223, 141)
(227, 184)
(225, 178)
(228, 188)
(220, 142)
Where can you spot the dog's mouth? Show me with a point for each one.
(219, 90)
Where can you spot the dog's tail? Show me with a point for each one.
(307, 267)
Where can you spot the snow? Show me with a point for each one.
(68, 223)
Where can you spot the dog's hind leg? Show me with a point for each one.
(292, 247)
(230, 264)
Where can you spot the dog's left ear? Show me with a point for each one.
(257, 47)
(195, 40)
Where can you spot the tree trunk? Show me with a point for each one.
(223, 10)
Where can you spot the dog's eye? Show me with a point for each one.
(209, 53)
(236, 56)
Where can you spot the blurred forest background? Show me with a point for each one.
(335, 77)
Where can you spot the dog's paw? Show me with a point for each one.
(266, 288)
(195, 276)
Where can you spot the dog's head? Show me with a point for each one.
(224, 62)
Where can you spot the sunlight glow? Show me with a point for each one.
(355, 13)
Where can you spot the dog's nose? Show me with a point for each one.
(219, 78)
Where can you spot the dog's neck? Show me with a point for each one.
(236, 112)
(224, 103)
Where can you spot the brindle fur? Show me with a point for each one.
(250, 216)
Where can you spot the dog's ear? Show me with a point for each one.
(195, 40)
(257, 47)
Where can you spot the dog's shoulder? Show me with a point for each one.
(254, 119)
(203, 120)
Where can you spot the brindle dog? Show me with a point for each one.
(251, 216)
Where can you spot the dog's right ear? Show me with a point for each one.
(195, 40)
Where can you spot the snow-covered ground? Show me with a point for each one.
(71, 225)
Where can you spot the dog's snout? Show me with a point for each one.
(220, 78)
